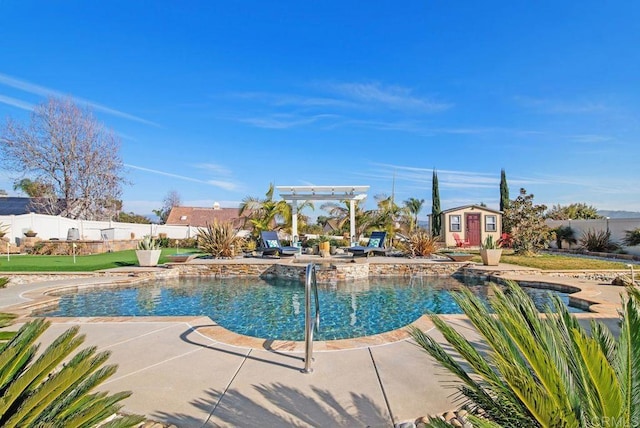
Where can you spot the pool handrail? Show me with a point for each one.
(310, 323)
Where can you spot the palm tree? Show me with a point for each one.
(45, 392)
(263, 214)
(414, 206)
(543, 372)
(388, 216)
(341, 213)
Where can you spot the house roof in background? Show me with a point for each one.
(200, 217)
(13, 205)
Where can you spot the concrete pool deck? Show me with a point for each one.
(187, 371)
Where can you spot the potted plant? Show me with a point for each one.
(30, 233)
(490, 252)
(324, 245)
(148, 252)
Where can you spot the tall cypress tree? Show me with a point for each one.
(435, 206)
(504, 198)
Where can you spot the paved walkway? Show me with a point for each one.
(180, 374)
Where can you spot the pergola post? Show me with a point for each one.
(294, 223)
(352, 222)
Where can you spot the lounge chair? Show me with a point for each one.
(271, 245)
(460, 243)
(375, 246)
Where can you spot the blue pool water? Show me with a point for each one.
(274, 309)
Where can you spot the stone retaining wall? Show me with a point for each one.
(326, 272)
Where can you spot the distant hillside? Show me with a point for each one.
(619, 214)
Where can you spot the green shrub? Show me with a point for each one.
(3, 282)
(632, 237)
(310, 242)
(55, 388)
(221, 240)
(598, 241)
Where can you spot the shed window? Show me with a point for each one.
(490, 223)
(455, 223)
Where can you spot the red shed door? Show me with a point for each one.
(473, 229)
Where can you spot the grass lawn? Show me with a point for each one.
(29, 263)
(557, 262)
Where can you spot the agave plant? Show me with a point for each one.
(422, 243)
(543, 371)
(221, 240)
(44, 392)
(148, 242)
(599, 241)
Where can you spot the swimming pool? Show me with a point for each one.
(274, 309)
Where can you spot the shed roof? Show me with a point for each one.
(472, 206)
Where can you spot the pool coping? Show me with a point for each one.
(602, 300)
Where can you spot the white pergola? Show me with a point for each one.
(293, 194)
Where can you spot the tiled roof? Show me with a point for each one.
(13, 205)
(200, 217)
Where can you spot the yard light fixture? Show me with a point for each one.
(633, 280)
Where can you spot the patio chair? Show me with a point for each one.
(375, 246)
(461, 243)
(271, 245)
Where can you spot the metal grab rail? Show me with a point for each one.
(310, 323)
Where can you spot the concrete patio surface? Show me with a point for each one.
(180, 374)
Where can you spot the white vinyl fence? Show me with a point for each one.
(56, 227)
(617, 227)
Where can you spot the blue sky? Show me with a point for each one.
(216, 99)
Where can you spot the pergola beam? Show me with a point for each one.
(323, 193)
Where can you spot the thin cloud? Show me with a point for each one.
(226, 185)
(217, 169)
(394, 97)
(279, 100)
(16, 103)
(284, 121)
(561, 107)
(590, 138)
(47, 92)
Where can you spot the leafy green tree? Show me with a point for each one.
(41, 390)
(529, 232)
(435, 206)
(504, 196)
(413, 206)
(577, 211)
(34, 189)
(131, 217)
(542, 372)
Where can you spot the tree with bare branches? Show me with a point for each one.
(172, 199)
(67, 150)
